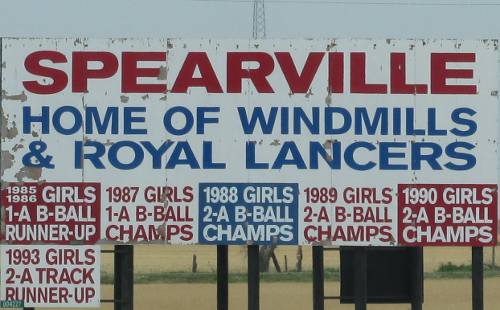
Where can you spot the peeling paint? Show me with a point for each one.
(7, 160)
(146, 96)
(275, 142)
(2, 223)
(6, 132)
(4, 185)
(331, 46)
(124, 99)
(33, 173)
(21, 97)
(108, 143)
(328, 98)
(17, 147)
(328, 143)
(162, 76)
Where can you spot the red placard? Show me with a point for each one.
(55, 213)
(447, 214)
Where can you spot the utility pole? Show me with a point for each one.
(259, 20)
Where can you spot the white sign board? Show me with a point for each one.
(342, 142)
(50, 276)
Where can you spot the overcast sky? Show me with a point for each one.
(230, 19)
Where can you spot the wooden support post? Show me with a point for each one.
(194, 266)
(222, 277)
(299, 256)
(275, 262)
(318, 278)
(493, 257)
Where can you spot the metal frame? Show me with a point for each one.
(124, 282)
(360, 289)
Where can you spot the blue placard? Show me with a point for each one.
(243, 213)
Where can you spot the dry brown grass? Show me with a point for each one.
(155, 258)
(439, 295)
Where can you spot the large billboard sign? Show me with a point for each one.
(339, 142)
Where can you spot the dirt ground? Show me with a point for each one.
(154, 258)
(439, 295)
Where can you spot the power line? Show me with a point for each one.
(334, 2)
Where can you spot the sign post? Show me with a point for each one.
(318, 278)
(124, 277)
(253, 278)
(222, 277)
(418, 279)
(360, 278)
(477, 278)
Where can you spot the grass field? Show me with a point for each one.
(290, 293)
(161, 258)
(449, 294)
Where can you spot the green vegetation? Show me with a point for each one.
(452, 271)
(211, 277)
(449, 267)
